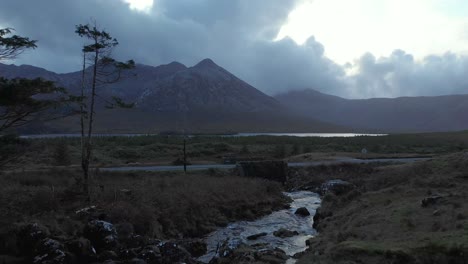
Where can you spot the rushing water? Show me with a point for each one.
(238, 232)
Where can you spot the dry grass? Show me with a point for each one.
(382, 221)
(160, 205)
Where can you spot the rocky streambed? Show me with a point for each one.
(279, 235)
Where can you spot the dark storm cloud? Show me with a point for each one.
(401, 75)
(236, 34)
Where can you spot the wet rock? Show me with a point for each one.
(319, 215)
(431, 200)
(274, 256)
(109, 261)
(256, 236)
(336, 187)
(249, 254)
(50, 251)
(196, 248)
(302, 211)
(86, 211)
(172, 253)
(82, 249)
(283, 233)
(136, 261)
(151, 254)
(28, 237)
(102, 234)
(129, 253)
(107, 255)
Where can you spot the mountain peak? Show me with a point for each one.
(206, 63)
(176, 64)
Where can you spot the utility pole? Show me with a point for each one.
(185, 157)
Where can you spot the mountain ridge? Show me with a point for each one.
(172, 96)
(389, 115)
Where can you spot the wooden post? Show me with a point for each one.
(185, 158)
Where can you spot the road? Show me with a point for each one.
(231, 166)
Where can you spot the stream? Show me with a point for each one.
(237, 233)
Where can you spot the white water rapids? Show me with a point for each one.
(238, 232)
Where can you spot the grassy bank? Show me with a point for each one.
(153, 205)
(414, 213)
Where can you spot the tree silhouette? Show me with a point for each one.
(103, 70)
(11, 47)
(22, 100)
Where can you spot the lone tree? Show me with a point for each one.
(99, 69)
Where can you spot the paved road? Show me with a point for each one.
(231, 166)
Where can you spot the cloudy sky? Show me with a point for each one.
(350, 48)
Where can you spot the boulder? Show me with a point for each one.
(150, 254)
(28, 237)
(50, 251)
(102, 234)
(272, 256)
(82, 249)
(173, 253)
(283, 233)
(431, 200)
(249, 254)
(136, 261)
(256, 236)
(196, 248)
(302, 211)
(107, 255)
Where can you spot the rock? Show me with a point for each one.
(82, 249)
(126, 192)
(436, 213)
(431, 200)
(336, 187)
(50, 251)
(172, 253)
(196, 248)
(275, 256)
(110, 261)
(302, 211)
(28, 237)
(129, 253)
(86, 211)
(282, 233)
(151, 254)
(136, 261)
(107, 255)
(256, 236)
(248, 254)
(102, 234)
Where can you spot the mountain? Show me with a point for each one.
(404, 114)
(203, 88)
(204, 98)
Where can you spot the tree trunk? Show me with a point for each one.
(88, 146)
(84, 164)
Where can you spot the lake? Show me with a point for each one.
(38, 136)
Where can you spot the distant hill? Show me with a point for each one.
(202, 98)
(404, 114)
